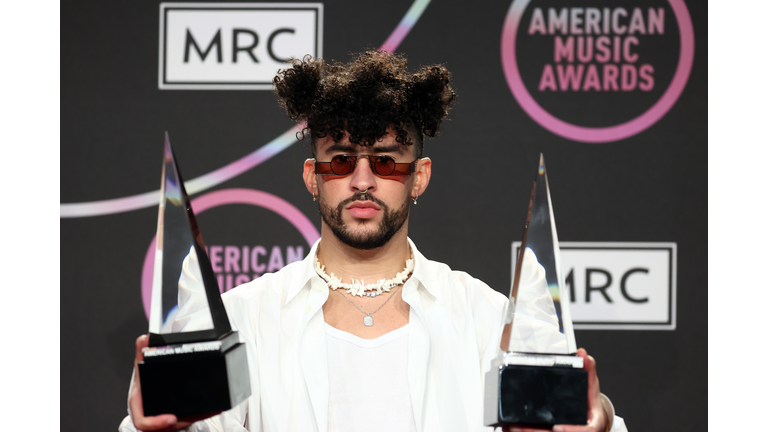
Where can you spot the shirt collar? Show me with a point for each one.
(424, 272)
(304, 275)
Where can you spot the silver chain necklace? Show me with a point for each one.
(368, 320)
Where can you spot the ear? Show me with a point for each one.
(421, 176)
(310, 180)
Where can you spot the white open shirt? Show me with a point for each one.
(455, 326)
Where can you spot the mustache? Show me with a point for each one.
(359, 196)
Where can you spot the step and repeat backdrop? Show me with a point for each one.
(613, 93)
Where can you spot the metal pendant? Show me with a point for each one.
(368, 321)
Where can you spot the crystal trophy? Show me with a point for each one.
(537, 380)
(194, 364)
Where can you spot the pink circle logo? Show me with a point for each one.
(595, 21)
(232, 196)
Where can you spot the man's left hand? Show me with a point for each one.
(600, 413)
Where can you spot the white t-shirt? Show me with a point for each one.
(368, 382)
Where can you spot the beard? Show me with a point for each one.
(391, 223)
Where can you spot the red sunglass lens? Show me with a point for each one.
(384, 165)
(342, 164)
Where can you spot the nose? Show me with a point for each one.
(362, 178)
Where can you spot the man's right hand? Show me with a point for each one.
(163, 422)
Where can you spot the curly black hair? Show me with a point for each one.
(365, 98)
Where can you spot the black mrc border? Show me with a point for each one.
(623, 248)
(189, 8)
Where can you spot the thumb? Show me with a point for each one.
(141, 343)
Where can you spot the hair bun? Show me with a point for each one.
(297, 87)
(431, 97)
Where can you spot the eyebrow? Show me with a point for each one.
(392, 148)
(340, 147)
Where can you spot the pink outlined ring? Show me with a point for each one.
(232, 196)
(603, 134)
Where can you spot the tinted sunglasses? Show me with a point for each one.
(381, 165)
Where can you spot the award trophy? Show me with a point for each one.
(537, 381)
(194, 363)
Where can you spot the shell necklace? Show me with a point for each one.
(359, 287)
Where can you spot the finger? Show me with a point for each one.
(581, 352)
(163, 422)
(595, 412)
(152, 423)
(595, 422)
(169, 422)
(195, 418)
(135, 401)
(590, 365)
(524, 429)
(141, 343)
(574, 428)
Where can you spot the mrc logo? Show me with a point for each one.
(619, 285)
(234, 46)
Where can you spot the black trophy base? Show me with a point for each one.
(536, 396)
(195, 378)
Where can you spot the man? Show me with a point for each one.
(329, 348)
